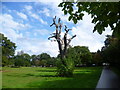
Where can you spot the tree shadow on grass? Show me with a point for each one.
(82, 71)
(45, 75)
(46, 70)
(79, 80)
(27, 75)
(32, 75)
(55, 75)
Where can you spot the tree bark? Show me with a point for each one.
(65, 42)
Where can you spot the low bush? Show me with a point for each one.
(65, 71)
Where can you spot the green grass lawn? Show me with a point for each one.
(0, 78)
(37, 77)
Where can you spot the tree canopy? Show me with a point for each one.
(80, 55)
(22, 60)
(111, 51)
(103, 14)
(8, 49)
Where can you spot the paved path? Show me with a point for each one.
(108, 79)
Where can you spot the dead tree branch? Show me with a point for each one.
(62, 43)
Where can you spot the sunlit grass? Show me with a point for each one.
(0, 77)
(37, 77)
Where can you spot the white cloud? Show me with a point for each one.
(12, 34)
(42, 32)
(45, 11)
(11, 28)
(54, 9)
(22, 15)
(48, 1)
(42, 21)
(37, 46)
(27, 44)
(38, 18)
(8, 22)
(28, 7)
(86, 38)
(45, 1)
(34, 15)
(85, 35)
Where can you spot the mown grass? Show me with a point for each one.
(37, 77)
(0, 77)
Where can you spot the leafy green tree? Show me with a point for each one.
(8, 49)
(111, 51)
(45, 59)
(22, 60)
(26, 58)
(37, 62)
(103, 14)
(50, 62)
(80, 55)
(98, 60)
(53, 61)
(43, 63)
(33, 59)
(18, 60)
(44, 56)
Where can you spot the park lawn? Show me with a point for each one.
(38, 77)
(0, 77)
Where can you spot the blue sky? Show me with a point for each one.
(28, 25)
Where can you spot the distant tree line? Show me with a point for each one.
(42, 60)
(80, 55)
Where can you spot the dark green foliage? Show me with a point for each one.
(97, 58)
(33, 60)
(80, 55)
(103, 14)
(51, 62)
(76, 56)
(8, 50)
(22, 60)
(43, 59)
(44, 56)
(65, 71)
(111, 51)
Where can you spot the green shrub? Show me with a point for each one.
(65, 71)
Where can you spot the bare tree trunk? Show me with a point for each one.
(62, 43)
(61, 53)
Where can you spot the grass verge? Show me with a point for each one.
(37, 77)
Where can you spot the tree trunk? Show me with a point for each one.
(63, 44)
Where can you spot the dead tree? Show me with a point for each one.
(63, 43)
